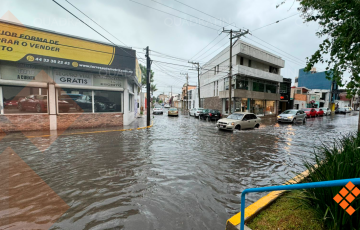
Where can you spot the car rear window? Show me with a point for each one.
(173, 109)
(306, 109)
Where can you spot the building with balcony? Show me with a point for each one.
(256, 77)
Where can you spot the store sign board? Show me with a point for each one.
(73, 77)
(28, 45)
(106, 81)
(22, 72)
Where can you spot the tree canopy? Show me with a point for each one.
(143, 78)
(339, 22)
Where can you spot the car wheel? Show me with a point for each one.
(38, 108)
(304, 120)
(238, 127)
(294, 121)
(257, 126)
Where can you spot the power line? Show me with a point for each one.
(185, 13)
(205, 46)
(274, 22)
(173, 15)
(227, 24)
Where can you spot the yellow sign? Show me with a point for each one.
(22, 44)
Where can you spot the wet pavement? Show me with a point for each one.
(180, 174)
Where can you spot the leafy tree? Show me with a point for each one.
(143, 78)
(339, 22)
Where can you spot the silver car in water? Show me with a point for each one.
(292, 115)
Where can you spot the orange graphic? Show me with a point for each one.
(26, 201)
(346, 196)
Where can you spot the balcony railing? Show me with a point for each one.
(256, 73)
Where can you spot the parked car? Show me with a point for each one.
(340, 110)
(101, 104)
(319, 112)
(38, 103)
(71, 98)
(173, 112)
(327, 111)
(239, 120)
(348, 109)
(158, 110)
(310, 112)
(210, 114)
(11, 102)
(195, 111)
(292, 115)
(167, 106)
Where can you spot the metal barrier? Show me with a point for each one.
(323, 184)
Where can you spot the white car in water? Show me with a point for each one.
(239, 120)
(195, 111)
(292, 115)
(158, 110)
(327, 111)
(167, 106)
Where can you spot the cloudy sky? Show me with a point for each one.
(141, 23)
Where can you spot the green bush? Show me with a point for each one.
(341, 160)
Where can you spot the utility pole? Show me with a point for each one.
(148, 66)
(237, 34)
(198, 70)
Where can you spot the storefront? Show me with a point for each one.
(97, 87)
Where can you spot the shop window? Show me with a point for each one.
(258, 87)
(271, 88)
(249, 63)
(74, 101)
(257, 107)
(241, 61)
(270, 107)
(107, 101)
(25, 100)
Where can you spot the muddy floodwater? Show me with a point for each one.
(180, 174)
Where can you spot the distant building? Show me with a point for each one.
(255, 81)
(300, 97)
(313, 80)
(285, 90)
(185, 100)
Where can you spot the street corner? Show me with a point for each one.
(27, 201)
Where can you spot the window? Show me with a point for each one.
(109, 101)
(201, 102)
(241, 61)
(270, 107)
(131, 102)
(273, 70)
(298, 91)
(259, 87)
(283, 88)
(217, 88)
(74, 101)
(215, 70)
(24, 100)
(249, 63)
(270, 88)
(78, 101)
(214, 89)
(241, 83)
(226, 83)
(218, 68)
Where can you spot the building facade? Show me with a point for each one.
(255, 81)
(52, 81)
(285, 90)
(186, 101)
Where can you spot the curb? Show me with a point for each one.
(103, 131)
(254, 209)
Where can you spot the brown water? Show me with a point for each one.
(180, 174)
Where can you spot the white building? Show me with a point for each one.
(255, 81)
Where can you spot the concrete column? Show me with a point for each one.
(248, 104)
(126, 112)
(52, 105)
(1, 101)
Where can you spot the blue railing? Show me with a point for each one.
(323, 184)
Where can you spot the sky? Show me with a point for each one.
(167, 31)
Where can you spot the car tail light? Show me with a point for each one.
(210, 114)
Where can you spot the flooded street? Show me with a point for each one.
(180, 174)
